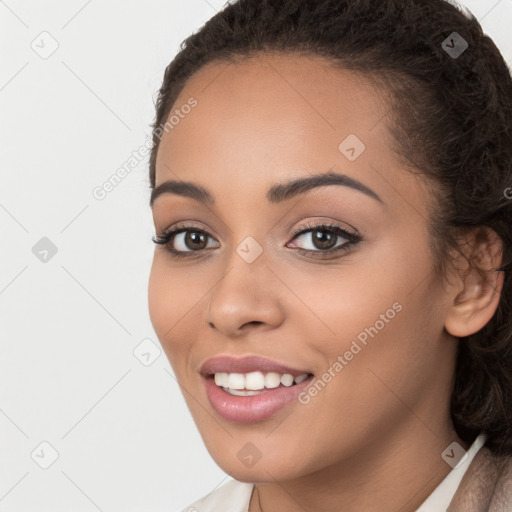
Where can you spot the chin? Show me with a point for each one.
(244, 463)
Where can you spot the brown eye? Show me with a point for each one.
(184, 241)
(193, 240)
(323, 239)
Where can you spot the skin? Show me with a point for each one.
(372, 438)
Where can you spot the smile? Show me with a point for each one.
(255, 383)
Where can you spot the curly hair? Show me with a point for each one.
(451, 120)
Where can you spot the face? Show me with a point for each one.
(366, 312)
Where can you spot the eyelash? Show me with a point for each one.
(352, 239)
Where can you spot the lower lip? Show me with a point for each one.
(247, 409)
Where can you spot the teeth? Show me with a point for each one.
(236, 392)
(300, 378)
(272, 380)
(254, 381)
(221, 379)
(287, 379)
(236, 381)
(247, 384)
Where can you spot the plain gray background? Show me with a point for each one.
(81, 368)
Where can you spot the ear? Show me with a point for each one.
(476, 290)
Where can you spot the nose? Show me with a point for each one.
(246, 297)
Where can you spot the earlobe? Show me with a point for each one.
(477, 291)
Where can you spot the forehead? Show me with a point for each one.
(268, 118)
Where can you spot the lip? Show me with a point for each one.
(250, 409)
(246, 364)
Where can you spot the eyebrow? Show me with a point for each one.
(276, 194)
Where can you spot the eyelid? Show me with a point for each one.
(188, 226)
(309, 226)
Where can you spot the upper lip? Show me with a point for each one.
(246, 364)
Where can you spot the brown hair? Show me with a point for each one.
(450, 117)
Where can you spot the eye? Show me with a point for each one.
(323, 239)
(183, 240)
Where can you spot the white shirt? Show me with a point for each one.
(234, 496)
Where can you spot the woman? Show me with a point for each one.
(331, 193)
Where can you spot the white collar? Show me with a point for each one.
(442, 495)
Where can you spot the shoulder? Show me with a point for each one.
(233, 496)
(486, 485)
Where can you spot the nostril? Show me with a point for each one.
(253, 322)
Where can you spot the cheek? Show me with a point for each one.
(372, 314)
(157, 297)
(167, 298)
(336, 305)
(175, 301)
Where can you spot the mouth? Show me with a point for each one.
(255, 383)
(251, 388)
